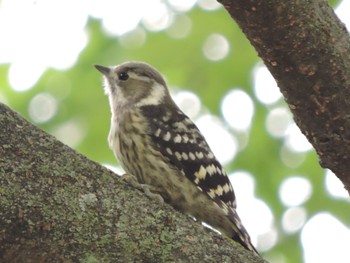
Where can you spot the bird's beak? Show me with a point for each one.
(104, 70)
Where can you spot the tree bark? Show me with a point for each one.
(306, 48)
(58, 206)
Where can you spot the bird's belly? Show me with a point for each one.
(137, 156)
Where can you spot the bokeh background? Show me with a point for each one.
(294, 210)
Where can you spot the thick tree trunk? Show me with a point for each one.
(307, 50)
(58, 206)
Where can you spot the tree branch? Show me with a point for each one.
(306, 48)
(58, 206)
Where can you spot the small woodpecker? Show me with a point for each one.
(159, 145)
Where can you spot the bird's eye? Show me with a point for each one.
(123, 75)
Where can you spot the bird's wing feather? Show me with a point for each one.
(179, 140)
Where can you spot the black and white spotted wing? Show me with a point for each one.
(178, 138)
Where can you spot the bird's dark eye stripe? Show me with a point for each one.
(123, 75)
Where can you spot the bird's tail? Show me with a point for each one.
(240, 234)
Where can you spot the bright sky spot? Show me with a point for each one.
(248, 206)
(133, 39)
(244, 184)
(293, 219)
(238, 109)
(222, 142)
(216, 47)
(265, 86)
(70, 48)
(188, 102)
(182, 5)
(71, 132)
(249, 210)
(43, 40)
(208, 5)
(42, 107)
(295, 140)
(290, 158)
(278, 121)
(157, 17)
(334, 186)
(258, 219)
(114, 168)
(267, 240)
(180, 28)
(325, 239)
(342, 11)
(295, 191)
(23, 74)
(118, 17)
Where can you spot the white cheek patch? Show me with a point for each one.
(155, 96)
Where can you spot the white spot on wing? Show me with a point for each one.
(180, 126)
(199, 155)
(211, 193)
(201, 173)
(167, 136)
(226, 188)
(177, 138)
(185, 138)
(166, 117)
(219, 190)
(157, 133)
(188, 121)
(178, 155)
(211, 169)
(192, 156)
(184, 156)
(210, 155)
(169, 151)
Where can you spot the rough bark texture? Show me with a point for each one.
(58, 206)
(307, 50)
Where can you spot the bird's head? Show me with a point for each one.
(134, 84)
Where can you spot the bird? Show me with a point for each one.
(155, 141)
